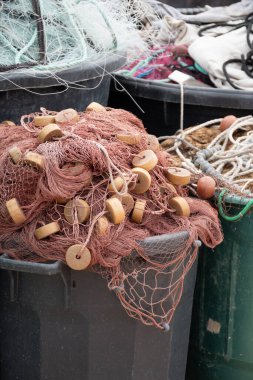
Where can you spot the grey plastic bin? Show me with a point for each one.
(59, 324)
(22, 94)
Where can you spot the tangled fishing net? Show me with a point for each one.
(93, 153)
(49, 35)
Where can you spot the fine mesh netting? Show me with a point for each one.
(51, 35)
(147, 277)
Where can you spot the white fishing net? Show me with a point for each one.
(50, 35)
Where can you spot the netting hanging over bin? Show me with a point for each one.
(69, 192)
(49, 35)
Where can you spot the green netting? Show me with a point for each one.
(55, 34)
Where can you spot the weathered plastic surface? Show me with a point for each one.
(58, 324)
(161, 103)
(221, 345)
(47, 92)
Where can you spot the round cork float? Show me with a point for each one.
(16, 154)
(50, 132)
(146, 159)
(138, 211)
(82, 209)
(78, 257)
(34, 159)
(15, 211)
(129, 138)
(180, 205)
(47, 230)
(143, 182)
(153, 143)
(115, 210)
(62, 200)
(95, 107)
(178, 176)
(67, 116)
(127, 201)
(102, 226)
(42, 121)
(206, 187)
(9, 123)
(226, 122)
(118, 183)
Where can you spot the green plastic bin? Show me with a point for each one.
(221, 344)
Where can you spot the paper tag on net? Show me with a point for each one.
(179, 77)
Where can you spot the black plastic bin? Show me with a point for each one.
(22, 94)
(161, 103)
(59, 324)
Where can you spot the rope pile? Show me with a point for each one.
(227, 153)
(86, 188)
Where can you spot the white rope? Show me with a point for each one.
(111, 166)
(233, 160)
(178, 146)
(91, 227)
(181, 106)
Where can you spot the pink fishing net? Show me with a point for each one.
(148, 280)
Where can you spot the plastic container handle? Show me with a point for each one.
(233, 218)
(59, 267)
(30, 267)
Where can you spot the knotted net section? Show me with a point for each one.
(144, 263)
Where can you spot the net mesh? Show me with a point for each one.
(147, 277)
(48, 35)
